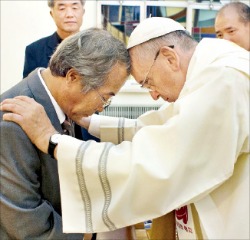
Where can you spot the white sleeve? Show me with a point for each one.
(119, 129)
(113, 129)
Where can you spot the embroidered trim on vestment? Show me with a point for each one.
(102, 168)
(82, 185)
(121, 130)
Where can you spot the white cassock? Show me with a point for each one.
(193, 151)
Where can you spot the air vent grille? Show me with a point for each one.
(131, 112)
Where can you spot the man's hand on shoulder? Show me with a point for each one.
(32, 117)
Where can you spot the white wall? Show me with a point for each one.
(23, 22)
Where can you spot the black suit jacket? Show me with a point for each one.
(38, 54)
(30, 195)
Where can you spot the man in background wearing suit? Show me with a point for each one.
(68, 17)
(86, 70)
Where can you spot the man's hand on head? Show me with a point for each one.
(32, 118)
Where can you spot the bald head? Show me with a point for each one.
(233, 23)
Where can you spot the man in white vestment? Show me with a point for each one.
(191, 155)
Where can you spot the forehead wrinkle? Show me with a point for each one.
(63, 3)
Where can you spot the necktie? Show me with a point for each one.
(68, 127)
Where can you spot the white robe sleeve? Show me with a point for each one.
(119, 129)
(113, 129)
(184, 151)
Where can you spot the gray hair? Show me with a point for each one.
(242, 9)
(92, 53)
(51, 3)
(179, 38)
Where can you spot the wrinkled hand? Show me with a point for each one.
(32, 117)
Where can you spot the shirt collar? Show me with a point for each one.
(60, 114)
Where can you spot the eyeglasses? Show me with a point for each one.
(106, 103)
(145, 83)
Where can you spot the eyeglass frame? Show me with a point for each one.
(146, 78)
(106, 103)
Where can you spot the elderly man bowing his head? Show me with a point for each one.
(191, 155)
(86, 70)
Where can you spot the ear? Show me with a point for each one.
(51, 13)
(72, 76)
(172, 57)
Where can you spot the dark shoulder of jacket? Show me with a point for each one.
(41, 41)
